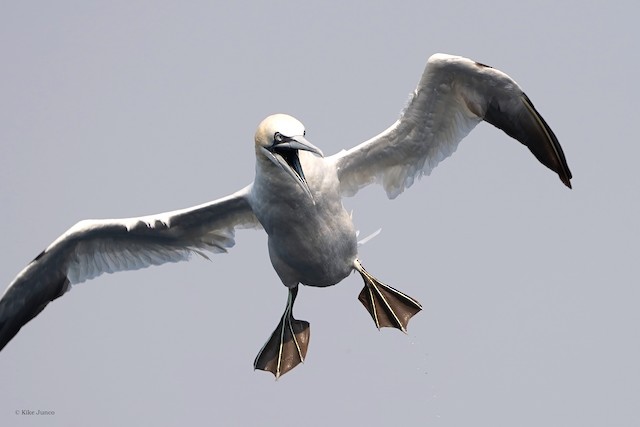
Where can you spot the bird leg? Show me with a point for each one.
(287, 346)
(388, 306)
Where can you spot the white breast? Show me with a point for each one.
(311, 241)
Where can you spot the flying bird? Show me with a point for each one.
(296, 197)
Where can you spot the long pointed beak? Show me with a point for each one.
(291, 165)
(295, 172)
(300, 143)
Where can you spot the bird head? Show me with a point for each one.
(279, 138)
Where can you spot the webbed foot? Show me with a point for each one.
(388, 306)
(287, 346)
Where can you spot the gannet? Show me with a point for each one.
(296, 197)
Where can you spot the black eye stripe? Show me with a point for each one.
(279, 138)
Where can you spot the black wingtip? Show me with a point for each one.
(22, 302)
(529, 127)
(11, 325)
(546, 147)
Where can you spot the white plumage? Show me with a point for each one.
(109, 246)
(296, 198)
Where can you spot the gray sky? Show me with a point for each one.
(530, 291)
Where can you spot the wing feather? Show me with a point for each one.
(93, 247)
(453, 96)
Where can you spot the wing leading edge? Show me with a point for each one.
(94, 247)
(453, 96)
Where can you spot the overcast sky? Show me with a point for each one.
(530, 290)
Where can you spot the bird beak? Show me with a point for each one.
(300, 143)
(285, 155)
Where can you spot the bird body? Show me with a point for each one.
(312, 240)
(296, 197)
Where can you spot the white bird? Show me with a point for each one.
(296, 197)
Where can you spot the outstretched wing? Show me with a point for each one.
(453, 96)
(93, 247)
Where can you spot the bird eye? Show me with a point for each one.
(304, 132)
(277, 137)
